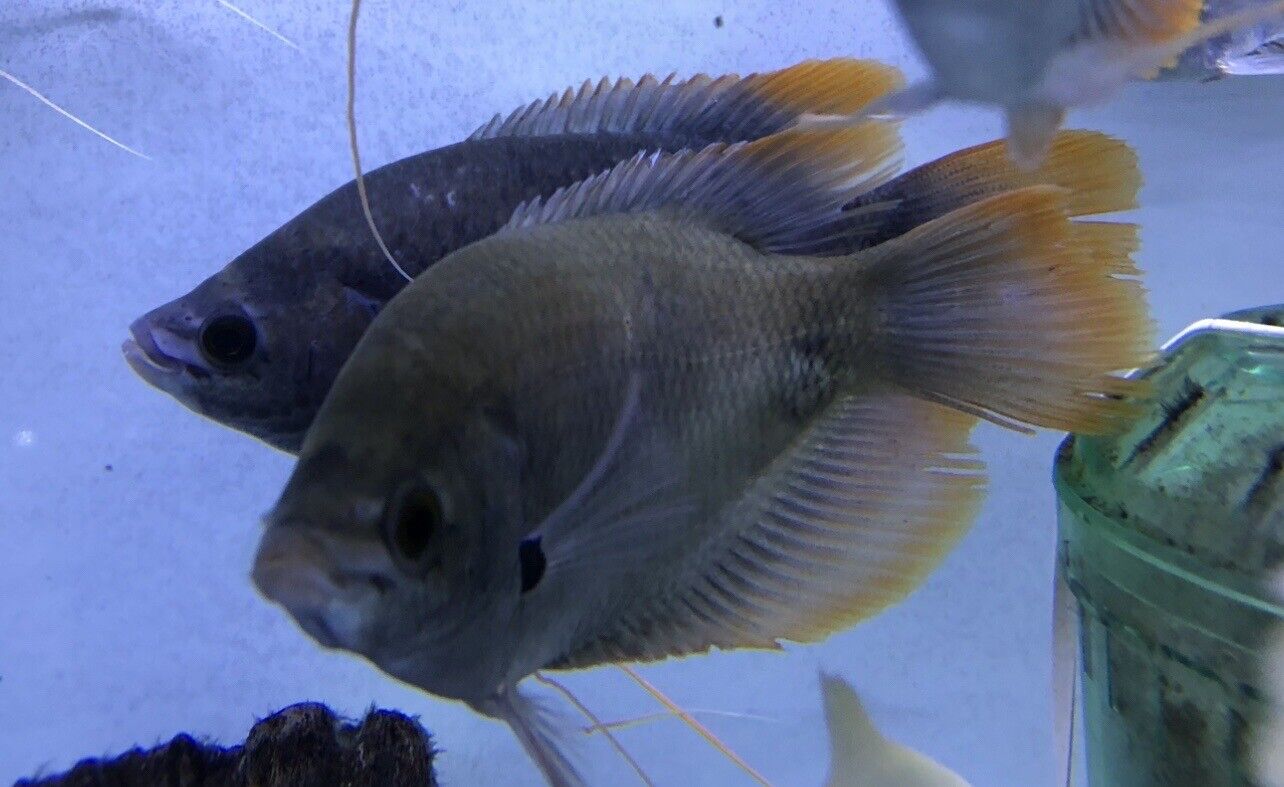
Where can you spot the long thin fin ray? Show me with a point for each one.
(539, 733)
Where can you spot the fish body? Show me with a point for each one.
(257, 345)
(658, 414)
(552, 325)
(305, 294)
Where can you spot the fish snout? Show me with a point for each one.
(290, 569)
(156, 353)
(294, 569)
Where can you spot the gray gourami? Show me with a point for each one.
(655, 415)
(257, 346)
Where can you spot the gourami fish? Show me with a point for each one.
(257, 345)
(651, 417)
(861, 756)
(1036, 59)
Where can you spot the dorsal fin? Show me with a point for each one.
(783, 193)
(704, 109)
(1099, 173)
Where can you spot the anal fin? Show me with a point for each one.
(845, 522)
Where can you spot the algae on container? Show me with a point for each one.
(1166, 532)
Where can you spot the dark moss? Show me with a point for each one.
(304, 745)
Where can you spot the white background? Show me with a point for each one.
(126, 615)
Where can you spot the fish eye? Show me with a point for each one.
(228, 339)
(411, 528)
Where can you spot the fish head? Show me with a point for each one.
(257, 346)
(397, 538)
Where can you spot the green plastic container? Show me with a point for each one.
(1166, 532)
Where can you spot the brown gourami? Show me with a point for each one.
(257, 345)
(658, 414)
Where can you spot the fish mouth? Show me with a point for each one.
(297, 571)
(146, 357)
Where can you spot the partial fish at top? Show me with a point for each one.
(1252, 50)
(1036, 59)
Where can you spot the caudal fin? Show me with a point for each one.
(1009, 310)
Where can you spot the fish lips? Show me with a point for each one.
(158, 358)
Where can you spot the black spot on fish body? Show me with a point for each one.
(533, 562)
